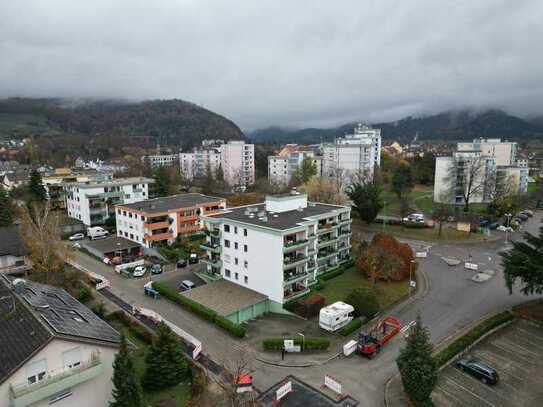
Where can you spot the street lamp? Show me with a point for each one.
(410, 274)
(508, 216)
(303, 340)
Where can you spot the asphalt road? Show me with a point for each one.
(452, 301)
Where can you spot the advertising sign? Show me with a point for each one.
(332, 384)
(283, 391)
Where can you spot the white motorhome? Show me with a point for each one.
(335, 316)
(97, 232)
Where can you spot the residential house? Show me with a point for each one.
(12, 250)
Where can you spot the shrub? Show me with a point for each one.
(134, 327)
(233, 328)
(311, 343)
(308, 306)
(333, 273)
(471, 336)
(83, 293)
(351, 327)
(364, 302)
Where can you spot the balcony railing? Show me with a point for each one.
(290, 262)
(213, 247)
(156, 225)
(212, 262)
(287, 279)
(328, 227)
(25, 394)
(158, 236)
(326, 242)
(292, 245)
(291, 294)
(345, 221)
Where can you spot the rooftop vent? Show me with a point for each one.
(19, 285)
(300, 209)
(264, 218)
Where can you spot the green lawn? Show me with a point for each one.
(339, 287)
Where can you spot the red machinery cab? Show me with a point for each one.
(369, 343)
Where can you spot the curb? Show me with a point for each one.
(309, 364)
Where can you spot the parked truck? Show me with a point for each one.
(335, 316)
(97, 232)
(370, 342)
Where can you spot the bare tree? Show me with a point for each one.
(440, 215)
(325, 190)
(236, 366)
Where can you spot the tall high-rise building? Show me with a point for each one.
(237, 161)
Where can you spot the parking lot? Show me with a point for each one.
(516, 352)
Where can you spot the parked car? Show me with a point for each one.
(156, 268)
(76, 245)
(528, 212)
(106, 260)
(523, 216)
(414, 217)
(193, 259)
(181, 263)
(139, 271)
(503, 228)
(479, 370)
(77, 236)
(493, 225)
(186, 285)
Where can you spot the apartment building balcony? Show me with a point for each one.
(213, 232)
(326, 254)
(289, 278)
(156, 237)
(156, 225)
(326, 242)
(188, 218)
(294, 244)
(345, 221)
(296, 290)
(214, 262)
(294, 261)
(182, 229)
(24, 394)
(344, 232)
(327, 227)
(212, 247)
(311, 266)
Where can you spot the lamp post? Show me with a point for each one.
(410, 274)
(508, 216)
(303, 340)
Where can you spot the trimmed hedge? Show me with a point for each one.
(206, 313)
(316, 343)
(337, 270)
(351, 327)
(471, 336)
(134, 327)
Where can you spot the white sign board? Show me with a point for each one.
(332, 384)
(129, 265)
(349, 348)
(288, 344)
(413, 283)
(283, 391)
(422, 255)
(196, 351)
(471, 266)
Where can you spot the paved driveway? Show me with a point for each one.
(516, 352)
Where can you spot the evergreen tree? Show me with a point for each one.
(6, 208)
(306, 170)
(367, 200)
(126, 387)
(165, 364)
(403, 180)
(524, 262)
(36, 190)
(163, 182)
(417, 366)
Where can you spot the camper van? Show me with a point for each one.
(97, 232)
(335, 316)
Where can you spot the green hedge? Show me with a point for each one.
(337, 270)
(351, 327)
(171, 294)
(134, 327)
(317, 343)
(471, 336)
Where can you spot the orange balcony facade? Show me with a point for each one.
(158, 236)
(188, 229)
(156, 225)
(190, 218)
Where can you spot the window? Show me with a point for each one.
(72, 358)
(119, 211)
(227, 228)
(244, 232)
(124, 213)
(131, 236)
(36, 371)
(236, 276)
(246, 279)
(245, 264)
(130, 215)
(236, 261)
(142, 217)
(245, 248)
(226, 243)
(125, 234)
(236, 245)
(236, 230)
(227, 273)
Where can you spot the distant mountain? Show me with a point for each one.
(170, 122)
(448, 126)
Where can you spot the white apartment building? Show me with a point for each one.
(237, 161)
(164, 219)
(277, 248)
(55, 351)
(196, 164)
(352, 155)
(282, 168)
(160, 160)
(93, 202)
(486, 166)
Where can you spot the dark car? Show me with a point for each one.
(523, 216)
(156, 268)
(181, 263)
(479, 370)
(493, 225)
(193, 258)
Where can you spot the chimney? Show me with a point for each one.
(19, 285)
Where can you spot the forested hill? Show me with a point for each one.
(448, 126)
(169, 122)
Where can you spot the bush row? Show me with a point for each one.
(351, 327)
(471, 336)
(134, 327)
(277, 343)
(171, 294)
(337, 271)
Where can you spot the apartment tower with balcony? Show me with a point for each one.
(277, 248)
(164, 219)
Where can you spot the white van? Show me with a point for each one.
(97, 232)
(335, 316)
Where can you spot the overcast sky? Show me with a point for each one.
(289, 63)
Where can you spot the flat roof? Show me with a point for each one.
(164, 204)
(112, 182)
(278, 220)
(224, 297)
(112, 243)
(302, 395)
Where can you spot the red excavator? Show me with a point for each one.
(369, 343)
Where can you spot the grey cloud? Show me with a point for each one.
(280, 62)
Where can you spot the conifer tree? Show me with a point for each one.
(36, 190)
(165, 364)
(126, 387)
(6, 208)
(417, 366)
